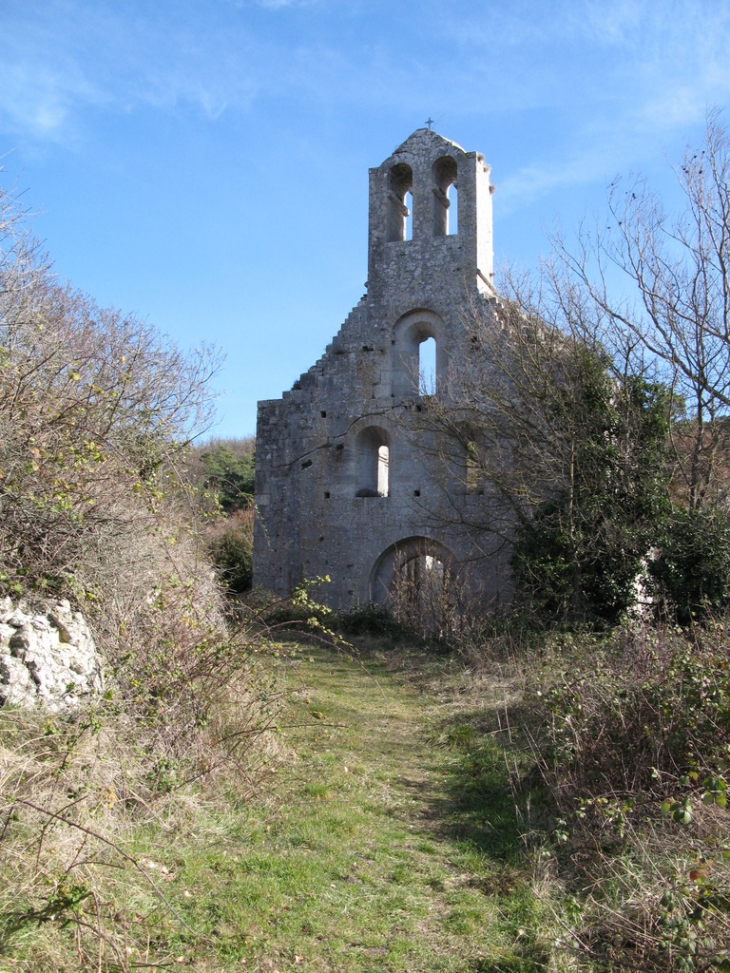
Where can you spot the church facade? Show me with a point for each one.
(346, 487)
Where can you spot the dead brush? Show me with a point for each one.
(663, 905)
(631, 736)
(430, 599)
(73, 789)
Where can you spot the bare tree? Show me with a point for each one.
(94, 406)
(562, 452)
(595, 407)
(668, 307)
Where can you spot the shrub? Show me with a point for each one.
(372, 620)
(577, 557)
(232, 552)
(96, 413)
(633, 745)
(637, 713)
(692, 569)
(228, 469)
(94, 408)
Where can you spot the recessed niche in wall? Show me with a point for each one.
(372, 449)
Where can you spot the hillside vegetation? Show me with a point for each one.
(96, 414)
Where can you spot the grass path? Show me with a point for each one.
(393, 843)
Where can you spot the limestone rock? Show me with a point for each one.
(48, 659)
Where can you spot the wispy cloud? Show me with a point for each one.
(630, 76)
(72, 56)
(272, 4)
(41, 100)
(633, 69)
(42, 83)
(279, 4)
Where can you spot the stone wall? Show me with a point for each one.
(325, 503)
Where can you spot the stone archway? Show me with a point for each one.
(416, 579)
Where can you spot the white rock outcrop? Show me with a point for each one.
(48, 659)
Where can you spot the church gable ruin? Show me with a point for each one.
(342, 488)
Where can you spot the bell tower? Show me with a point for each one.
(430, 208)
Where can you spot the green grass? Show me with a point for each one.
(392, 844)
(388, 839)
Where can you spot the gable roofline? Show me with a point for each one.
(421, 133)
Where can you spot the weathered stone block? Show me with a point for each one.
(47, 658)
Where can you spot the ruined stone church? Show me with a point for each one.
(343, 487)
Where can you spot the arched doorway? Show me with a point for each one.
(416, 579)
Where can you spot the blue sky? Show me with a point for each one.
(204, 164)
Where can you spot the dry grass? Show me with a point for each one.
(93, 802)
(631, 738)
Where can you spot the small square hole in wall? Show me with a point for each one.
(418, 408)
(326, 496)
(416, 493)
(323, 414)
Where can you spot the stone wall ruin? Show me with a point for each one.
(341, 490)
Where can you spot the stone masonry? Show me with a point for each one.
(343, 488)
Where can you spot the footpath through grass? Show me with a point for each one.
(392, 843)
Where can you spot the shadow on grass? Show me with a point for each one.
(486, 798)
(517, 964)
(486, 803)
(478, 801)
(474, 799)
(480, 792)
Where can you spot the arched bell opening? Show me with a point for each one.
(445, 197)
(400, 203)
